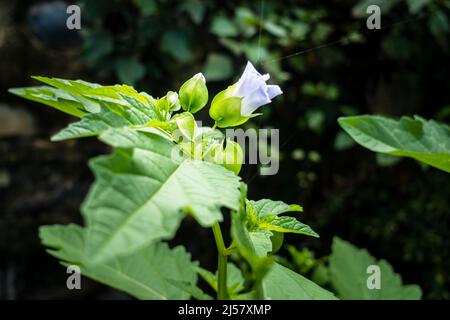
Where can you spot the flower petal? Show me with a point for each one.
(253, 101)
(273, 91)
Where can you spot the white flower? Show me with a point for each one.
(254, 91)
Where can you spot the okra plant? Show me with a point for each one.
(164, 168)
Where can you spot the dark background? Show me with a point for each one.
(396, 208)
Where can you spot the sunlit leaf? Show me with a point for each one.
(142, 192)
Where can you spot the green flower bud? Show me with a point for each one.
(230, 157)
(169, 103)
(194, 94)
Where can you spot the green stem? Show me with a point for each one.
(222, 293)
(214, 126)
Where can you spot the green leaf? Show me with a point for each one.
(286, 224)
(144, 274)
(262, 222)
(235, 280)
(385, 160)
(52, 97)
(195, 8)
(92, 124)
(416, 5)
(359, 11)
(246, 247)
(134, 115)
(178, 44)
(97, 45)
(282, 283)
(348, 270)
(343, 141)
(275, 29)
(218, 67)
(263, 214)
(147, 7)
(261, 241)
(94, 91)
(143, 191)
(426, 141)
(100, 107)
(439, 24)
(190, 289)
(129, 70)
(223, 27)
(266, 207)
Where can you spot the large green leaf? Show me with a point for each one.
(348, 270)
(426, 141)
(105, 107)
(282, 283)
(144, 274)
(56, 98)
(77, 97)
(142, 192)
(135, 115)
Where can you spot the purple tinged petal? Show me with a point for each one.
(253, 101)
(254, 91)
(273, 91)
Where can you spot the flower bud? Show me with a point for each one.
(169, 102)
(230, 157)
(194, 94)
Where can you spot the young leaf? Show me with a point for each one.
(142, 192)
(263, 214)
(286, 224)
(282, 283)
(266, 207)
(426, 141)
(145, 274)
(349, 275)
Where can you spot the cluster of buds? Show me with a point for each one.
(229, 108)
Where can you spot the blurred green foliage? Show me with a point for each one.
(328, 65)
